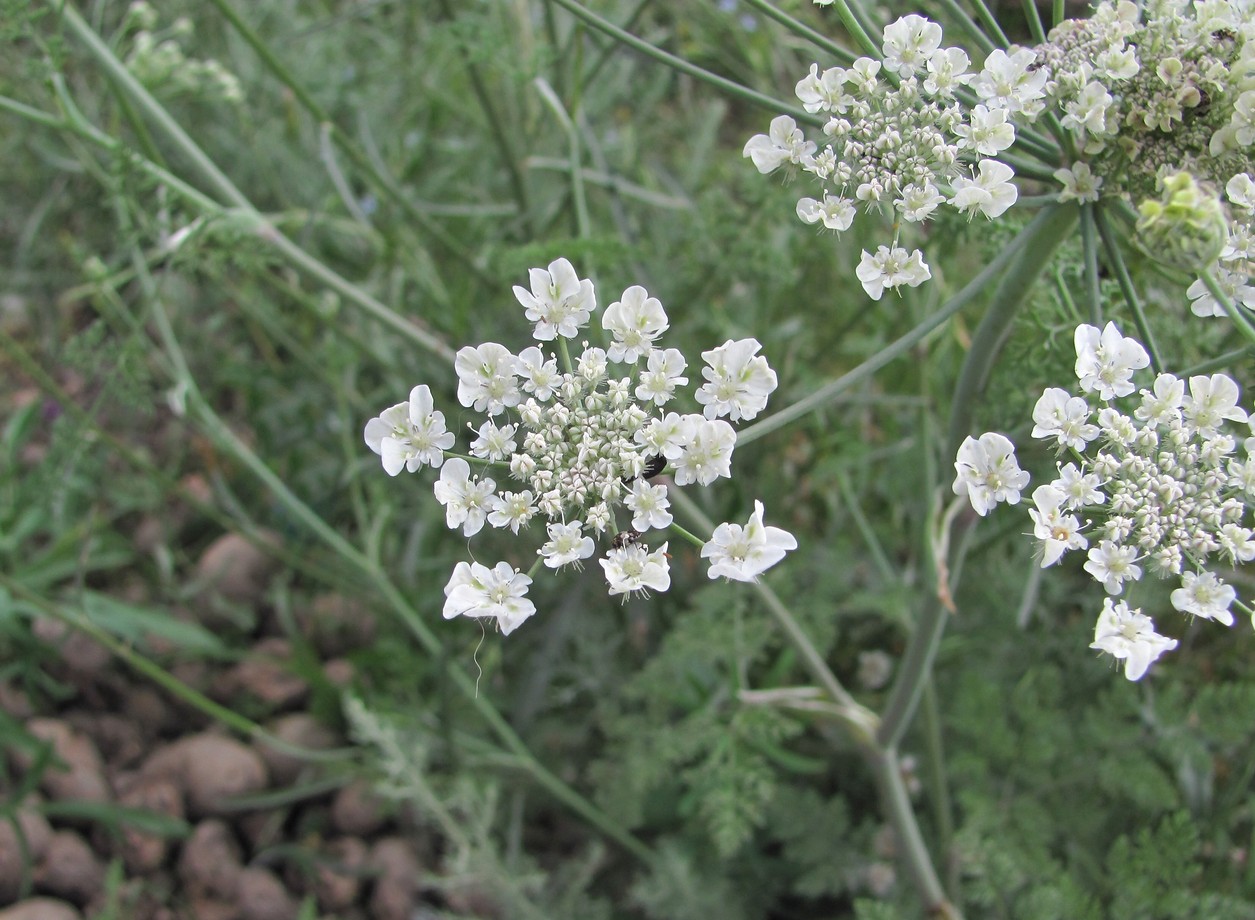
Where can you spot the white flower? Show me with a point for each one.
(738, 382)
(1205, 595)
(917, 202)
(664, 371)
(634, 321)
(1233, 284)
(988, 132)
(987, 472)
(1088, 111)
(567, 544)
(1106, 361)
(1212, 400)
(559, 302)
(409, 434)
(1060, 415)
(784, 144)
(1058, 532)
(494, 443)
(707, 454)
(1012, 81)
(1237, 542)
(947, 70)
(1080, 489)
(1079, 183)
(1241, 191)
(891, 268)
(1129, 635)
(467, 501)
(908, 43)
(1112, 564)
(487, 378)
(513, 510)
(1161, 406)
(648, 504)
(478, 591)
(835, 211)
(668, 436)
(540, 374)
(823, 92)
(743, 553)
(991, 192)
(634, 568)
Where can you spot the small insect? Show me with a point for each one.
(625, 538)
(653, 466)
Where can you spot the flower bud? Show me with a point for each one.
(1185, 227)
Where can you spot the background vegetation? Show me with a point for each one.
(176, 371)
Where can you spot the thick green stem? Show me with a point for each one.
(1089, 250)
(1116, 260)
(802, 30)
(1048, 230)
(830, 391)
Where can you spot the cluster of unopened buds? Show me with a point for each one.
(587, 445)
(1171, 485)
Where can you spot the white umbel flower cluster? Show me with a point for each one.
(580, 445)
(898, 139)
(1167, 482)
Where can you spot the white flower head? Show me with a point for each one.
(835, 212)
(1111, 564)
(664, 371)
(648, 504)
(1058, 531)
(744, 553)
(889, 269)
(1241, 191)
(559, 303)
(1129, 635)
(784, 144)
(1079, 183)
(539, 372)
(493, 442)
(567, 545)
(707, 454)
(635, 321)
(487, 378)
(990, 192)
(1064, 417)
(987, 472)
(1106, 360)
(669, 435)
(988, 132)
(1212, 400)
(908, 44)
(478, 591)
(467, 499)
(409, 435)
(634, 568)
(738, 380)
(512, 509)
(1205, 595)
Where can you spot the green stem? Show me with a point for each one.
(802, 30)
(355, 155)
(1089, 250)
(1047, 231)
(855, 27)
(1115, 258)
(974, 31)
(990, 23)
(677, 63)
(938, 786)
(1235, 312)
(583, 223)
(1033, 18)
(227, 191)
(831, 391)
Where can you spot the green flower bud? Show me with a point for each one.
(1185, 226)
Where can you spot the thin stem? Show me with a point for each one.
(1033, 18)
(1057, 12)
(227, 190)
(1235, 312)
(677, 63)
(938, 787)
(887, 769)
(858, 719)
(969, 25)
(855, 27)
(990, 23)
(879, 557)
(1115, 259)
(802, 30)
(830, 391)
(583, 223)
(356, 156)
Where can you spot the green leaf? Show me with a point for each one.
(138, 624)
